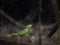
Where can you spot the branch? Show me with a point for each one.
(18, 40)
(57, 17)
(12, 20)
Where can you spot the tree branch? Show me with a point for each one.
(12, 20)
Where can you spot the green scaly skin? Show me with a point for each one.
(23, 32)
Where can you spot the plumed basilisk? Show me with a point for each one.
(23, 32)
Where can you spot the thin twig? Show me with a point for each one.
(12, 20)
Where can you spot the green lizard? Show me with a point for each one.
(23, 32)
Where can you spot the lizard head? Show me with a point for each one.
(28, 26)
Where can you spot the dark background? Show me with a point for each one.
(20, 9)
